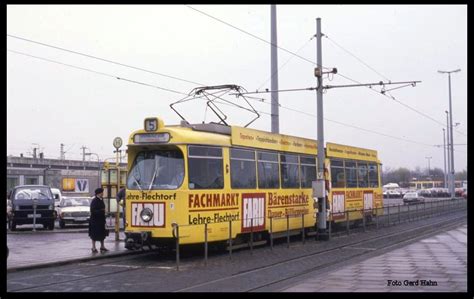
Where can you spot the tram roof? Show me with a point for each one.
(222, 135)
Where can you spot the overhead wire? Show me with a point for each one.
(339, 74)
(102, 59)
(253, 35)
(166, 89)
(95, 72)
(188, 81)
(360, 60)
(343, 124)
(283, 65)
(390, 96)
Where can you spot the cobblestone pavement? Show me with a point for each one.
(435, 264)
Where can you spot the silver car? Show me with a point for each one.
(412, 197)
(74, 210)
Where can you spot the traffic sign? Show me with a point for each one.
(117, 142)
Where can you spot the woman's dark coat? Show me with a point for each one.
(97, 220)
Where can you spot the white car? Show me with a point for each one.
(412, 197)
(394, 194)
(57, 199)
(74, 210)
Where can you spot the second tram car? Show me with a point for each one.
(236, 182)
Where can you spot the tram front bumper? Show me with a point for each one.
(136, 240)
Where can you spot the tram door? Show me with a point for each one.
(111, 185)
(368, 202)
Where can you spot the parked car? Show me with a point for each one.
(9, 210)
(24, 198)
(412, 197)
(57, 199)
(445, 192)
(458, 192)
(73, 210)
(425, 193)
(392, 194)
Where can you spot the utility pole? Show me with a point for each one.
(83, 154)
(429, 158)
(444, 152)
(61, 155)
(274, 71)
(452, 185)
(322, 219)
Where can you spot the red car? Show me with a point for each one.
(458, 192)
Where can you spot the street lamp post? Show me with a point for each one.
(448, 151)
(451, 130)
(444, 152)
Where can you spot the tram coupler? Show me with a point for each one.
(136, 240)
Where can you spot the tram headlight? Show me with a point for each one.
(146, 215)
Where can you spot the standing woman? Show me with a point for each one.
(97, 230)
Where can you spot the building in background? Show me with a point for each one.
(72, 177)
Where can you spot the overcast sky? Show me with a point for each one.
(49, 104)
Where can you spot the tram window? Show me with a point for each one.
(243, 174)
(351, 174)
(373, 176)
(268, 176)
(157, 170)
(363, 177)
(289, 171)
(338, 179)
(308, 171)
(205, 168)
(205, 151)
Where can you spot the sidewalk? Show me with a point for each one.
(435, 264)
(44, 248)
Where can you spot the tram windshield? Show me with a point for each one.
(159, 169)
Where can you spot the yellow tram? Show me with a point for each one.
(236, 182)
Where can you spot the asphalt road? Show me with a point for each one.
(262, 269)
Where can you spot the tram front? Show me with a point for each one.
(156, 171)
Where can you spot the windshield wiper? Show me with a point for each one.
(138, 184)
(152, 180)
(154, 173)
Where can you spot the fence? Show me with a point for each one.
(294, 224)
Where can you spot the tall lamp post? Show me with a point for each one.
(444, 152)
(448, 151)
(451, 174)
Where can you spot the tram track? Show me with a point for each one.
(366, 250)
(239, 275)
(88, 267)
